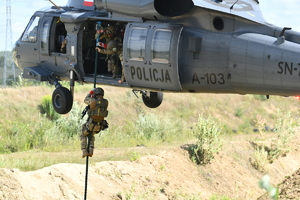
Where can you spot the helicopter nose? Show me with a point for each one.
(15, 54)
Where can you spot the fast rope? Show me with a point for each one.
(90, 135)
(87, 168)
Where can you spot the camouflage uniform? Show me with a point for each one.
(95, 123)
(121, 59)
(110, 49)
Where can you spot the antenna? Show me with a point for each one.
(233, 4)
(54, 4)
(8, 46)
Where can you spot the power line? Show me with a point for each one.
(8, 70)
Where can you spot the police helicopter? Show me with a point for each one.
(187, 46)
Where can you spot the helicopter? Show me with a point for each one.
(184, 46)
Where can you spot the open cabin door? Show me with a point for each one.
(151, 55)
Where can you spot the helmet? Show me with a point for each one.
(111, 30)
(112, 44)
(99, 91)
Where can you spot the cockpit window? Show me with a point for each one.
(136, 44)
(160, 48)
(45, 33)
(30, 34)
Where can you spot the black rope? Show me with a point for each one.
(90, 135)
(86, 176)
(96, 65)
(87, 166)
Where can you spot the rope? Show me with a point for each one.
(96, 64)
(87, 166)
(91, 134)
(86, 176)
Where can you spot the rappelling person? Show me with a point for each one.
(95, 122)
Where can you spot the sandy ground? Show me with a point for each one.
(170, 174)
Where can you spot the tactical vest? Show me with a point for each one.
(100, 108)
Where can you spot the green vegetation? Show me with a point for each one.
(9, 64)
(269, 149)
(28, 123)
(2, 57)
(218, 197)
(208, 132)
(264, 183)
(47, 108)
(33, 136)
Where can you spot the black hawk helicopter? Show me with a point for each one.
(187, 46)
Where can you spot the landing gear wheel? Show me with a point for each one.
(154, 100)
(62, 100)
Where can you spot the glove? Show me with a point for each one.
(92, 93)
(104, 125)
(101, 44)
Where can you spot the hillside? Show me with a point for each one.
(237, 113)
(165, 172)
(168, 174)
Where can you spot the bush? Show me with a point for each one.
(43, 134)
(260, 97)
(260, 161)
(146, 130)
(47, 108)
(64, 130)
(208, 132)
(267, 151)
(285, 130)
(150, 126)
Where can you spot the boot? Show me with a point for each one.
(122, 79)
(83, 139)
(91, 147)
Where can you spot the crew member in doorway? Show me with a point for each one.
(63, 46)
(95, 122)
(121, 59)
(110, 49)
(61, 35)
(120, 52)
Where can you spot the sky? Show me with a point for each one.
(283, 13)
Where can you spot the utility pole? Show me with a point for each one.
(8, 70)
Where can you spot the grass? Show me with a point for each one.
(35, 159)
(24, 128)
(30, 140)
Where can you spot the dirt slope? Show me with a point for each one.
(290, 187)
(168, 175)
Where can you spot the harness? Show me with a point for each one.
(100, 110)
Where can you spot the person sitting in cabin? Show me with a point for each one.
(95, 122)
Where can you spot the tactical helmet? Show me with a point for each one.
(112, 44)
(111, 30)
(99, 91)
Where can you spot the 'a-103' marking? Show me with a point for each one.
(288, 68)
(209, 78)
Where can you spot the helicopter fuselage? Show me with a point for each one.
(203, 50)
